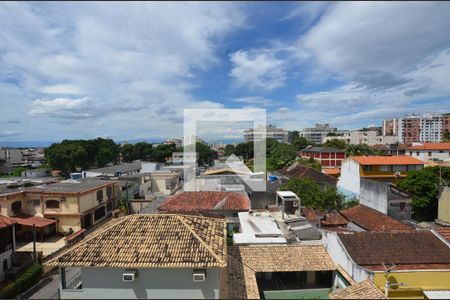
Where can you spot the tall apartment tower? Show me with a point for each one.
(425, 128)
(390, 127)
(262, 132)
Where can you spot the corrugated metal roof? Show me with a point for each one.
(436, 294)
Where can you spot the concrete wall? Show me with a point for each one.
(5, 255)
(350, 176)
(339, 255)
(435, 154)
(444, 205)
(106, 283)
(374, 194)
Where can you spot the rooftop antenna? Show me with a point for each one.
(387, 269)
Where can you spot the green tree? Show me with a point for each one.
(127, 151)
(362, 149)
(424, 185)
(143, 151)
(206, 155)
(280, 156)
(245, 150)
(314, 195)
(229, 149)
(336, 143)
(162, 152)
(311, 162)
(446, 137)
(300, 143)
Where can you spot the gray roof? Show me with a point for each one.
(323, 149)
(122, 168)
(70, 186)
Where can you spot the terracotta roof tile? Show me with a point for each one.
(332, 171)
(245, 261)
(407, 249)
(361, 290)
(205, 201)
(387, 160)
(372, 220)
(444, 232)
(299, 171)
(334, 219)
(27, 220)
(431, 146)
(5, 221)
(312, 214)
(151, 241)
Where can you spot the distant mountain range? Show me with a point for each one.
(43, 144)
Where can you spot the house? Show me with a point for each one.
(297, 170)
(444, 206)
(281, 272)
(323, 219)
(181, 158)
(7, 245)
(258, 228)
(147, 256)
(363, 218)
(409, 263)
(386, 198)
(430, 151)
(382, 168)
(165, 182)
(116, 170)
(328, 157)
(59, 207)
(226, 204)
(391, 149)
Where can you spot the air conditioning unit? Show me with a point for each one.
(129, 275)
(199, 275)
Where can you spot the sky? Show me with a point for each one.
(78, 70)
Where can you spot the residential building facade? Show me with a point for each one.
(148, 256)
(382, 168)
(317, 133)
(61, 206)
(430, 151)
(327, 157)
(263, 132)
(368, 137)
(7, 245)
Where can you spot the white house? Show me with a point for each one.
(7, 244)
(147, 256)
(430, 151)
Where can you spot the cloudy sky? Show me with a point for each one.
(127, 70)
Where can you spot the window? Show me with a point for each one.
(400, 168)
(16, 207)
(367, 168)
(386, 168)
(36, 202)
(52, 204)
(441, 151)
(100, 196)
(99, 213)
(109, 191)
(109, 206)
(429, 153)
(417, 153)
(5, 265)
(410, 153)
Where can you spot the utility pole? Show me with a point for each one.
(34, 244)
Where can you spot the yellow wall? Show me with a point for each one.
(444, 206)
(377, 172)
(67, 222)
(415, 282)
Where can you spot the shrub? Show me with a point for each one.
(22, 283)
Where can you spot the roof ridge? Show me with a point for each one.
(199, 238)
(94, 235)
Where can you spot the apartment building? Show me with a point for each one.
(418, 128)
(263, 132)
(59, 207)
(368, 137)
(327, 157)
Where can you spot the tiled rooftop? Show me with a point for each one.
(407, 250)
(245, 261)
(361, 290)
(431, 146)
(387, 160)
(372, 220)
(151, 241)
(205, 201)
(5, 221)
(444, 232)
(297, 170)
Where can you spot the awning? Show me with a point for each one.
(437, 294)
(27, 220)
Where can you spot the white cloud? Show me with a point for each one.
(62, 108)
(62, 89)
(8, 133)
(257, 70)
(138, 61)
(255, 100)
